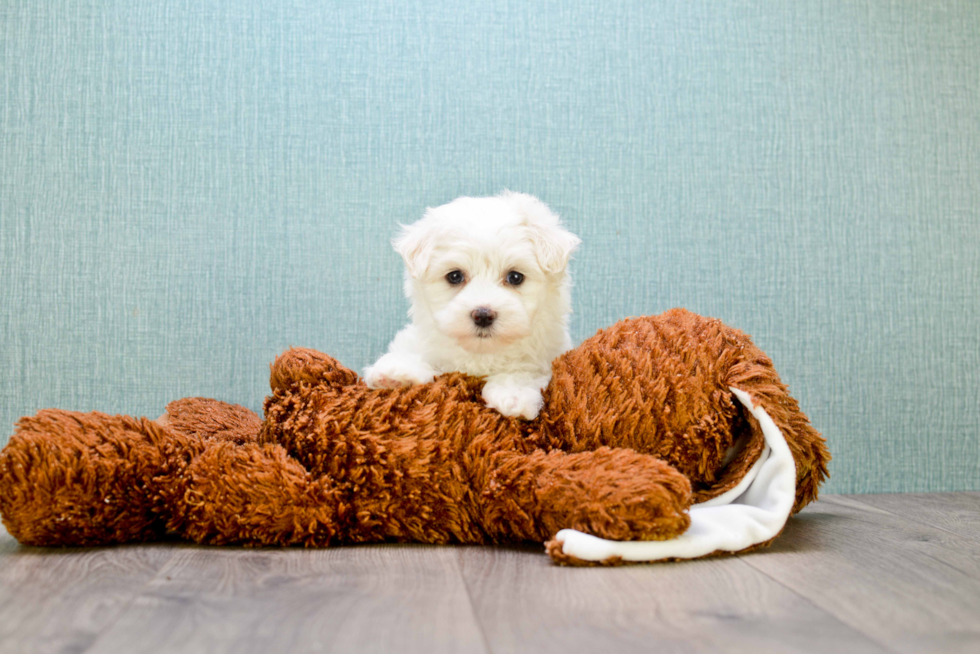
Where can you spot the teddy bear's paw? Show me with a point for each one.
(613, 493)
(393, 371)
(513, 400)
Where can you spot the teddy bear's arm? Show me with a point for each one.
(613, 493)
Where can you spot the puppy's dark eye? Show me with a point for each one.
(455, 277)
(514, 278)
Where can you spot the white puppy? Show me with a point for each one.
(490, 296)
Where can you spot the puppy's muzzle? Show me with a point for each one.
(483, 317)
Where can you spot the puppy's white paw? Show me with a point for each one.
(393, 370)
(513, 400)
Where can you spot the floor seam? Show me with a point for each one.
(815, 605)
(132, 600)
(469, 596)
(830, 499)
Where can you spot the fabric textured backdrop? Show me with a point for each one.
(187, 188)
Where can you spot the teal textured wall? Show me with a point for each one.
(187, 188)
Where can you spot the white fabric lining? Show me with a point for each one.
(731, 494)
(753, 512)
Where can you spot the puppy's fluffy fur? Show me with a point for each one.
(490, 296)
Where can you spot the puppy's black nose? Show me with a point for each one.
(483, 317)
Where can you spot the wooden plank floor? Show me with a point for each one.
(858, 573)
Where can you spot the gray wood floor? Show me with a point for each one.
(869, 573)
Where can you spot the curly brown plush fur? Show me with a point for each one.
(637, 424)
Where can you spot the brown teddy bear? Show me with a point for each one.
(647, 426)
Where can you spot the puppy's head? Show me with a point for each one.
(486, 271)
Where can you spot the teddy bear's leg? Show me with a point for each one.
(617, 494)
(254, 495)
(70, 478)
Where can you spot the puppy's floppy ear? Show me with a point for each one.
(415, 243)
(553, 244)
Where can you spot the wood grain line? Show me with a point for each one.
(908, 586)
(60, 600)
(958, 513)
(377, 598)
(527, 604)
